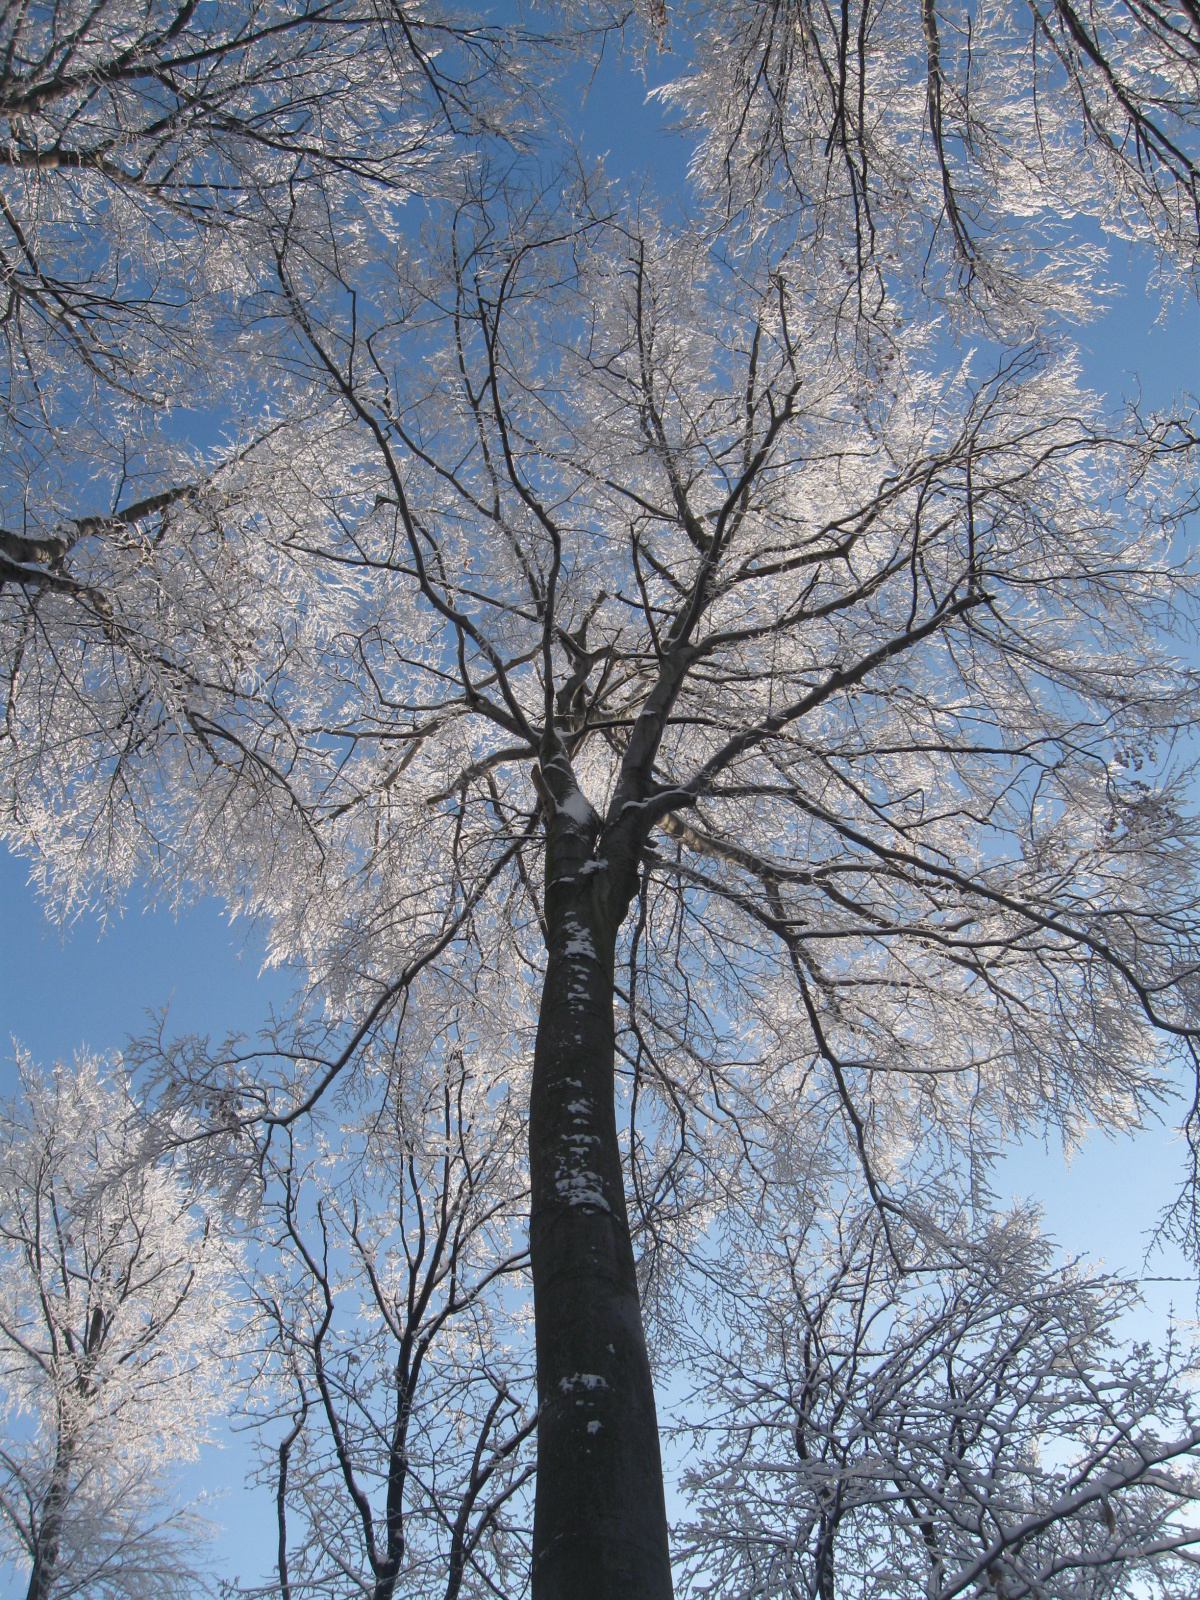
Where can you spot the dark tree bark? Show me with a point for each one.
(600, 1526)
(49, 1531)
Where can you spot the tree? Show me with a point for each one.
(141, 137)
(588, 565)
(113, 1306)
(402, 1388)
(971, 1423)
(954, 152)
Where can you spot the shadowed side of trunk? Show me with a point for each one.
(600, 1529)
(49, 1533)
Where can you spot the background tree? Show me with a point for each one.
(113, 1307)
(587, 565)
(981, 157)
(140, 139)
(400, 1375)
(972, 1424)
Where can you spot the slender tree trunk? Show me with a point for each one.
(600, 1527)
(49, 1531)
(824, 1559)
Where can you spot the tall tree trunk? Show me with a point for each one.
(49, 1528)
(600, 1526)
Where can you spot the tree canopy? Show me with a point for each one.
(707, 671)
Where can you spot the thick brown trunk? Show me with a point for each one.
(600, 1527)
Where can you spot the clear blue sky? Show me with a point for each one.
(59, 991)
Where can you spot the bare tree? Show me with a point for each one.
(141, 139)
(141, 134)
(393, 1348)
(971, 1425)
(114, 1302)
(953, 152)
(592, 617)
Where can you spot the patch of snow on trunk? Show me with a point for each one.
(577, 807)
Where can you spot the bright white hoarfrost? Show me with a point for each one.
(786, 530)
(113, 1314)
